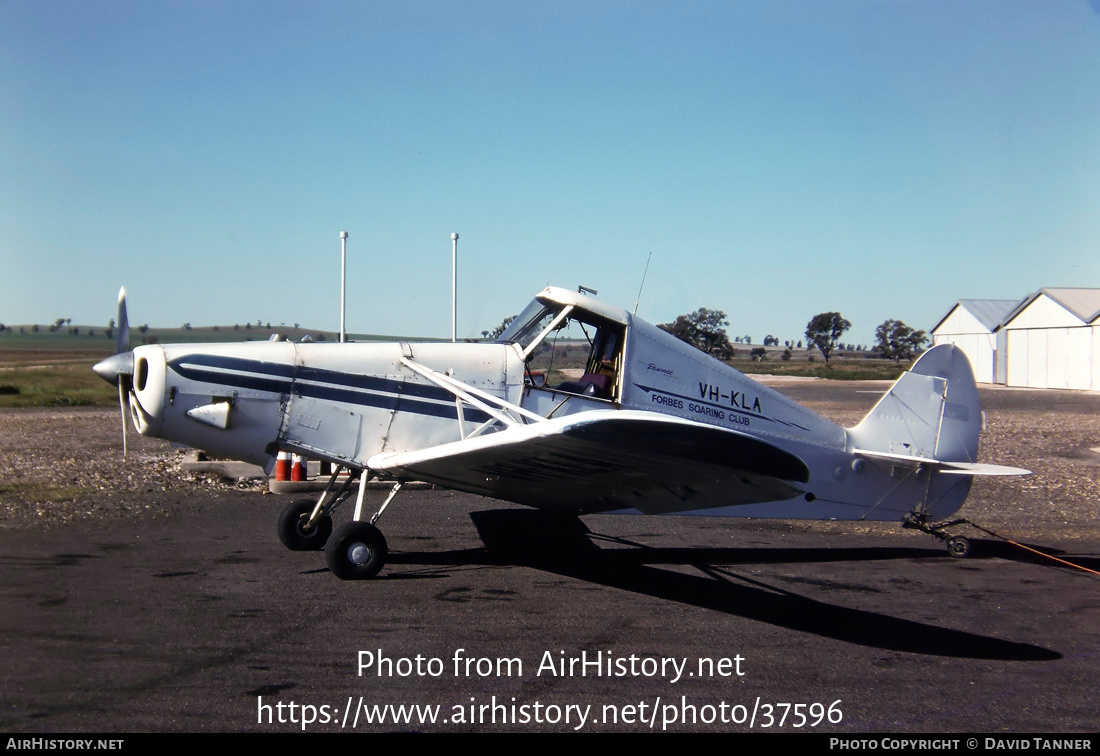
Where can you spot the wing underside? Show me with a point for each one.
(609, 460)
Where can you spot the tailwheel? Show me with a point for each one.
(958, 547)
(293, 531)
(356, 551)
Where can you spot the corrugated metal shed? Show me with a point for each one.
(1052, 340)
(972, 325)
(990, 313)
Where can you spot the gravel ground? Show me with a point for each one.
(59, 466)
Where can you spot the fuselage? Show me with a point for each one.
(345, 402)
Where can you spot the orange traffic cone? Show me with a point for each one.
(298, 468)
(282, 466)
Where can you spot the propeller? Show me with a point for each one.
(122, 336)
(119, 369)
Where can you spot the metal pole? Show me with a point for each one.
(454, 287)
(343, 281)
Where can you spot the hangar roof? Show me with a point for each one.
(1084, 303)
(994, 313)
(991, 313)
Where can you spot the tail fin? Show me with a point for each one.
(930, 418)
(931, 412)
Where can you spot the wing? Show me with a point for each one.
(609, 460)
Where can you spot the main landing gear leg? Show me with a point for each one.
(305, 525)
(358, 550)
(957, 546)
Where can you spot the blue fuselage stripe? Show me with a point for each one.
(328, 385)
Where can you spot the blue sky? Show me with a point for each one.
(779, 159)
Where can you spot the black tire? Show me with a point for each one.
(356, 551)
(297, 538)
(958, 547)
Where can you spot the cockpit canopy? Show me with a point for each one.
(530, 326)
(571, 343)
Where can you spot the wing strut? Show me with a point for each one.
(475, 397)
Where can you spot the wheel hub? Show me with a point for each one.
(359, 554)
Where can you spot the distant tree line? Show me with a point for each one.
(705, 329)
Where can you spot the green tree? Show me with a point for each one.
(491, 335)
(897, 341)
(705, 330)
(824, 330)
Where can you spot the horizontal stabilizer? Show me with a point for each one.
(977, 468)
(949, 468)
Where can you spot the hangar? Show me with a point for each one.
(1050, 339)
(973, 325)
(1053, 340)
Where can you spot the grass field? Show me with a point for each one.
(58, 384)
(858, 369)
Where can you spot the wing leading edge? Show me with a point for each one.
(609, 460)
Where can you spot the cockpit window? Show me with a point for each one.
(568, 349)
(527, 326)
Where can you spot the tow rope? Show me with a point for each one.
(1028, 548)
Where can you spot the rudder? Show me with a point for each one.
(931, 411)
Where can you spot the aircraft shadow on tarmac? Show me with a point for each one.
(565, 546)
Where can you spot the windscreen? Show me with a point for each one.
(528, 324)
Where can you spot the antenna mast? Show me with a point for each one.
(644, 272)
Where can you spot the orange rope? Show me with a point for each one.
(1033, 551)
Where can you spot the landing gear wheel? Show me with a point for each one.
(357, 551)
(958, 547)
(292, 531)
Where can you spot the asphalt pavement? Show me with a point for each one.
(493, 618)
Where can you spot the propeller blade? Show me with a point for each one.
(119, 368)
(122, 337)
(122, 409)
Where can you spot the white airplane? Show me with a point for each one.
(651, 425)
